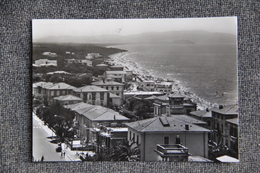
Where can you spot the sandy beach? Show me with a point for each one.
(120, 59)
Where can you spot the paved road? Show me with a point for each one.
(41, 144)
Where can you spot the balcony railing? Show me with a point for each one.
(168, 150)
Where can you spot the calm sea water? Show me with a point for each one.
(209, 71)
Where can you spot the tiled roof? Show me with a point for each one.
(77, 106)
(233, 121)
(164, 97)
(90, 88)
(59, 72)
(201, 113)
(99, 113)
(227, 110)
(107, 83)
(188, 119)
(96, 112)
(101, 65)
(156, 125)
(115, 72)
(68, 97)
(43, 84)
(61, 85)
(176, 95)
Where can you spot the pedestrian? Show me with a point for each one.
(42, 158)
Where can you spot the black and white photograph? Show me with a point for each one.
(160, 90)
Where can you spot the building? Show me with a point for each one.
(45, 62)
(175, 103)
(92, 94)
(49, 54)
(50, 90)
(173, 153)
(79, 61)
(91, 56)
(117, 76)
(225, 125)
(37, 89)
(162, 130)
(142, 94)
(116, 68)
(90, 118)
(163, 86)
(147, 85)
(109, 136)
(113, 87)
(102, 66)
(232, 125)
(58, 72)
(203, 115)
(66, 100)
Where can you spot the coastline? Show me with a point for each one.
(119, 59)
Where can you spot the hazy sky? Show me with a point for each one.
(89, 27)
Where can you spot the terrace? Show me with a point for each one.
(174, 152)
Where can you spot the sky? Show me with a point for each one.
(90, 27)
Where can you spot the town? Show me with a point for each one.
(97, 110)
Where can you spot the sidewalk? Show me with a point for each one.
(69, 154)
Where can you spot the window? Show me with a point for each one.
(117, 88)
(130, 135)
(107, 87)
(52, 93)
(137, 139)
(133, 137)
(112, 88)
(166, 140)
(101, 96)
(93, 96)
(58, 93)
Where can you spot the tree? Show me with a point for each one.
(125, 151)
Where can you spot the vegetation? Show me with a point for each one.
(58, 119)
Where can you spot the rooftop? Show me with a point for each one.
(201, 113)
(233, 121)
(96, 112)
(115, 72)
(105, 83)
(77, 106)
(61, 85)
(67, 97)
(165, 124)
(90, 88)
(143, 93)
(101, 65)
(188, 119)
(226, 158)
(227, 110)
(59, 72)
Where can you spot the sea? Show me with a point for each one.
(209, 71)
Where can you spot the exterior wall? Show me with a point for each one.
(221, 130)
(196, 142)
(115, 89)
(87, 97)
(68, 102)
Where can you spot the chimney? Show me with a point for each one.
(221, 107)
(187, 127)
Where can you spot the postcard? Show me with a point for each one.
(135, 90)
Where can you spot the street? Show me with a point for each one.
(42, 145)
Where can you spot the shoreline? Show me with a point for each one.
(119, 59)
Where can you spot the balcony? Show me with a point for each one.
(174, 152)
